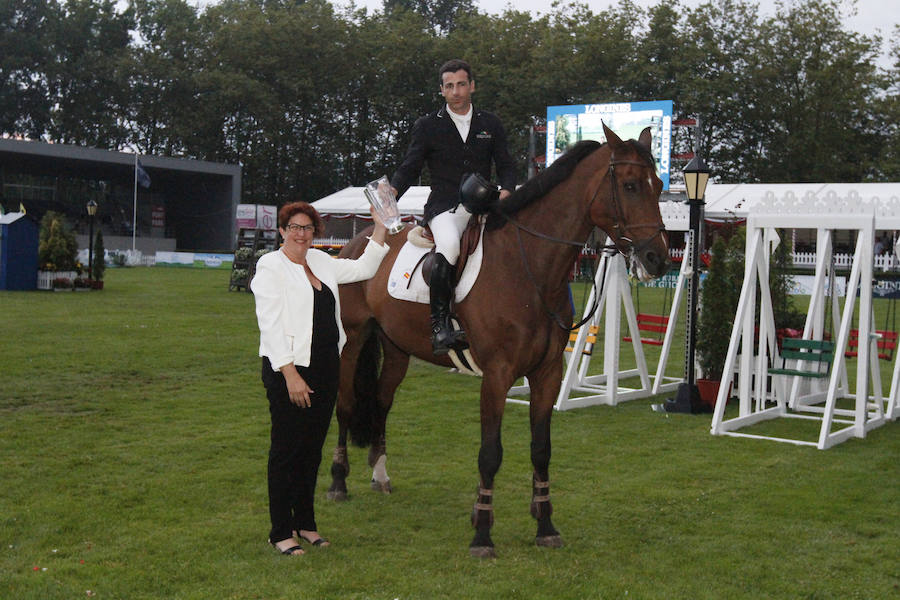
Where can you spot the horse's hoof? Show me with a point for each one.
(337, 495)
(482, 552)
(549, 541)
(382, 486)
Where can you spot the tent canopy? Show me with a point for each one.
(352, 201)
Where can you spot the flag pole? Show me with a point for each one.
(134, 207)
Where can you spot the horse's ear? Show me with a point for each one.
(611, 137)
(646, 138)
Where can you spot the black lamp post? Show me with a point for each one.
(91, 210)
(696, 176)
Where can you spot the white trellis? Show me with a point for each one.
(763, 397)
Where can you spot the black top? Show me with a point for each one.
(325, 329)
(437, 143)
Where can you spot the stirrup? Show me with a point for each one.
(453, 339)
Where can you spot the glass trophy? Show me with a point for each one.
(381, 196)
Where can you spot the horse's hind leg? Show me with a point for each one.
(542, 397)
(393, 370)
(340, 464)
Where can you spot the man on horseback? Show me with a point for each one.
(454, 141)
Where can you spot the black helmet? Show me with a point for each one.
(478, 194)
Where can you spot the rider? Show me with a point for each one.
(456, 140)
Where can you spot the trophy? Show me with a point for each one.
(382, 198)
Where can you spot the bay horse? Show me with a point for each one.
(516, 316)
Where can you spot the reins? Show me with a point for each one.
(617, 218)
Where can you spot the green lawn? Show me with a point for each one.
(133, 441)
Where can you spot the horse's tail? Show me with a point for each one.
(365, 390)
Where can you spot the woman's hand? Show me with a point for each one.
(298, 391)
(380, 232)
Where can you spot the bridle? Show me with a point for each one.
(618, 225)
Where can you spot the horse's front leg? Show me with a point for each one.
(393, 370)
(544, 388)
(493, 401)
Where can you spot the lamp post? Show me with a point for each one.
(91, 210)
(696, 176)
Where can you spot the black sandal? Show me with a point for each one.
(289, 551)
(322, 542)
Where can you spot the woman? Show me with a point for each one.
(299, 315)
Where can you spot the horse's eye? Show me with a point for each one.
(630, 187)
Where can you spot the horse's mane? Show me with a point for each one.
(541, 184)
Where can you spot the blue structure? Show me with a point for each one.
(18, 252)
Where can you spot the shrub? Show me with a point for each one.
(99, 265)
(718, 303)
(57, 246)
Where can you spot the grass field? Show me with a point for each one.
(133, 441)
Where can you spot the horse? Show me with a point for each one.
(517, 315)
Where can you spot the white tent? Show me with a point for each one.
(352, 201)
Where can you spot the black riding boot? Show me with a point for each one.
(443, 337)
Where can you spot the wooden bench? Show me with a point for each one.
(887, 343)
(818, 353)
(655, 324)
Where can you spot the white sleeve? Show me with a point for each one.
(348, 270)
(268, 290)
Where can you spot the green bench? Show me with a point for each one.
(817, 353)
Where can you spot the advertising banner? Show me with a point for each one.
(246, 216)
(567, 125)
(266, 217)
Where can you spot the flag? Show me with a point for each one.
(142, 178)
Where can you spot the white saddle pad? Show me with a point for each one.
(405, 283)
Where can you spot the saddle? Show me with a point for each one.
(421, 236)
(478, 196)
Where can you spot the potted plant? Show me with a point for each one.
(62, 284)
(239, 276)
(719, 297)
(242, 255)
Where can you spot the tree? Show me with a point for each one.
(804, 110)
(25, 44)
(88, 86)
(441, 15)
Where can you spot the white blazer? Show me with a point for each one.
(284, 299)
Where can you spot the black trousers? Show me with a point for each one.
(297, 437)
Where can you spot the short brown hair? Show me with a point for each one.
(452, 66)
(287, 212)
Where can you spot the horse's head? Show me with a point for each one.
(626, 205)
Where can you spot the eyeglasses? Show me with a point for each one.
(294, 228)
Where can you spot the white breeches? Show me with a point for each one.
(447, 229)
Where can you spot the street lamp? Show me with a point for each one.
(91, 210)
(696, 176)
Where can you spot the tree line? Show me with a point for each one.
(310, 97)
